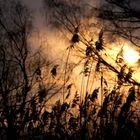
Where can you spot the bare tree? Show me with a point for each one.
(25, 78)
(122, 18)
(78, 21)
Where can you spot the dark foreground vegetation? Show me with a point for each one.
(29, 79)
(117, 118)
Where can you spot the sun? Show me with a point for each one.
(130, 56)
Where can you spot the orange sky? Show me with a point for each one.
(57, 46)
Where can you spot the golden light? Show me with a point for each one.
(130, 56)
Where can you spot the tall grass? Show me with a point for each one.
(86, 120)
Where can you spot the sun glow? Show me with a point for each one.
(130, 56)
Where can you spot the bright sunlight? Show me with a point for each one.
(130, 56)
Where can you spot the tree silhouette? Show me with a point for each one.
(24, 86)
(123, 17)
(112, 118)
(70, 15)
(28, 80)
